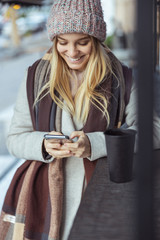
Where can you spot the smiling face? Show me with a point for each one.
(75, 49)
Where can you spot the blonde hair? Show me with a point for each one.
(98, 66)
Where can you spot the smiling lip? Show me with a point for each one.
(74, 60)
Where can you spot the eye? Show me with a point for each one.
(62, 43)
(83, 43)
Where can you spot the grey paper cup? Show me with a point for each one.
(120, 151)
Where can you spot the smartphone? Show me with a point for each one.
(51, 136)
(62, 138)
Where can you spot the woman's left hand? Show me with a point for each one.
(81, 148)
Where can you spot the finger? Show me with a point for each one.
(60, 153)
(76, 134)
(53, 141)
(55, 133)
(71, 146)
(53, 145)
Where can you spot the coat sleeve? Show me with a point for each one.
(97, 139)
(131, 122)
(22, 141)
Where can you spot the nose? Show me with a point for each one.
(72, 51)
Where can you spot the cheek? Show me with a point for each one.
(89, 50)
(60, 49)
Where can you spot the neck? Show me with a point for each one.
(78, 75)
(75, 81)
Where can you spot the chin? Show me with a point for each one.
(78, 67)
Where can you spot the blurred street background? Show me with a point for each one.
(23, 40)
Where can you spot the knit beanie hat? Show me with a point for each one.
(76, 16)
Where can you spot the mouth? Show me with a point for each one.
(74, 60)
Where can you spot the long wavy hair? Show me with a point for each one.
(98, 67)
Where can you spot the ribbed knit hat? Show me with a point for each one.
(80, 16)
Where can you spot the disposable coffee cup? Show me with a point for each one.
(120, 151)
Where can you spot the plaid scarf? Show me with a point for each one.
(33, 204)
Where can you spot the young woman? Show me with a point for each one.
(76, 89)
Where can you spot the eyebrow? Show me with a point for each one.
(83, 38)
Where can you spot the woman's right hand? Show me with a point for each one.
(54, 148)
